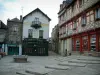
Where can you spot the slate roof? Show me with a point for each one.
(15, 19)
(37, 9)
(2, 25)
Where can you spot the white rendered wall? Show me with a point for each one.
(27, 25)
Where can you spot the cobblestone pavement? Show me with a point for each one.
(8, 67)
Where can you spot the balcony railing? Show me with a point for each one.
(36, 24)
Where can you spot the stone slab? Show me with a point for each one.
(72, 64)
(57, 67)
(82, 61)
(88, 59)
(23, 73)
(39, 71)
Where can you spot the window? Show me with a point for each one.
(93, 42)
(74, 25)
(97, 13)
(36, 20)
(81, 2)
(83, 20)
(30, 33)
(40, 33)
(15, 29)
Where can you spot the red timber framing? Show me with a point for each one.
(85, 40)
(82, 13)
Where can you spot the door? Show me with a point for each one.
(78, 44)
(85, 43)
(99, 43)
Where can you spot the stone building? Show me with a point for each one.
(79, 26)
(55, 38)
(3, 29)
(14, 36)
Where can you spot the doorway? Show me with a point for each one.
(13, 50)
(78, 44)
(85, 43)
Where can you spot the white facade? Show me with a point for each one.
(27, 22)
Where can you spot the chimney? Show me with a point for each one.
(64, 3)
(61, 6)
(21, 18)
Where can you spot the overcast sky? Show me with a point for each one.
(12, 8)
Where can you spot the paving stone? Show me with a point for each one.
(23, 73)
(82, 61)
(39, 71)
(72, 64)
(88, 59)
(57, 67)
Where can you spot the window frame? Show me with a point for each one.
(41, 34)
(97, 13)
(83, 20)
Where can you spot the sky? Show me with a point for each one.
(13, 8)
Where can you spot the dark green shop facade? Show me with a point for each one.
(13, 49)
(35, 47)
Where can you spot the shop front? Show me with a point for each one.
(86, 42)
(13, 49)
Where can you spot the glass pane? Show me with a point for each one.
(40, 33)
(98, 12)
(93, 42)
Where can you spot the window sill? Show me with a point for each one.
(83, 25)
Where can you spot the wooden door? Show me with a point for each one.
(85, 43)
(99, 43)
(78, 44)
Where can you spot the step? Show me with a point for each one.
(72, 64)
(39, 71)
(82, 61)
(57, 67)
(88, 59)
(23, 73)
